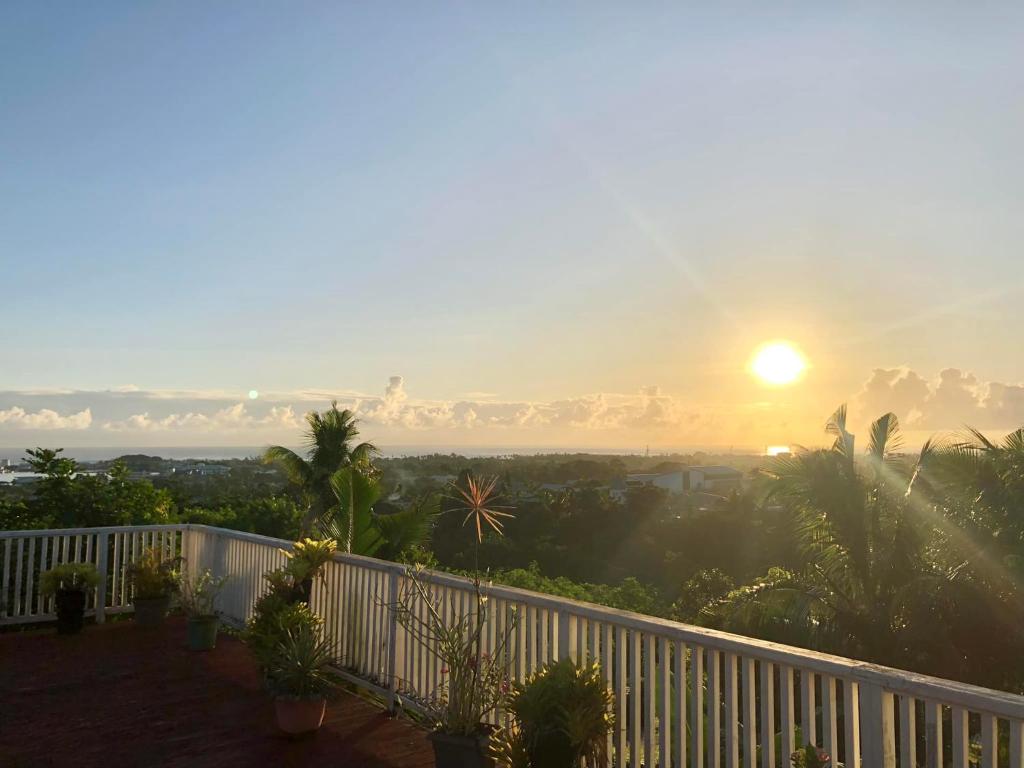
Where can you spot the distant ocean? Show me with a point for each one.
(389, 451)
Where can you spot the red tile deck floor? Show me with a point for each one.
(123, 697)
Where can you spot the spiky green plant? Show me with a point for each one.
(297, 665)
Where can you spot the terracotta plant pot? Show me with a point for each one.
(457, 751)
(202, 632)
(297, 716)
(151, 612)
(70, 611)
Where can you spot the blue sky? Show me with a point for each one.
(512, 207)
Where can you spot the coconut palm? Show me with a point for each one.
(857, 528)
(331, 442)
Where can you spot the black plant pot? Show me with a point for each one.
(70, 611)
(455, 751)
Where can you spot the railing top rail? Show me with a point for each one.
(98, 529)
(899, 681)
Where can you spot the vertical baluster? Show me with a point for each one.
(40, 601)
(933, 734)
(829, 719)
(697, 709)
(544, 656)
(607, 666)
(989, 741)
(808, 708)
(787, 713)
(620, 697)
(749, 713)
(679, 756)
(664, 703)
(851, 724)
(648, 698)
(4, 601)
(18, 599)
(337, 604)
(635, 697)
(908, 731)
(30, 593)
(115, 570)
(961, 737)
(714, 708)
(767, 670)
(732, 711)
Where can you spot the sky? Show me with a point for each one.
(526, 224)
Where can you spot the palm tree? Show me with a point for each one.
(329, 439)
(358, 530)
(857, 529)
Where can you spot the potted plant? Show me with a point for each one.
(474, 683)
(562, 717)
(68, 585)
(197, 601)
(154, 580)
(298, 678)
(306, 561)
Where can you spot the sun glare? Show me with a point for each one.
(778, 363)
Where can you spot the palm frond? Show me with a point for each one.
(885, 437)
(297, 468)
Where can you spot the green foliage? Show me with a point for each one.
(274, 618)
(562, 717)
(629, 595)
(69, 576)
(199, 595)
(700, 590)
(307, 558)
(64, 499)
(153, 576)
(297, 664)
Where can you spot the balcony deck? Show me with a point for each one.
(117, 695)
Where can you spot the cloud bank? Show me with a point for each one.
(953, 399)
(132, 416)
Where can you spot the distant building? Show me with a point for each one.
(201, 469)
(710, 478)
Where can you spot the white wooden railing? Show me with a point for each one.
(684, 696)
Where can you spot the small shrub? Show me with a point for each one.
(152, 576)
(562, 716)
(69, 576)
(198, 596)
(272, 620)
(297, 665)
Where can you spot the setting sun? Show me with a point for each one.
(778, 363)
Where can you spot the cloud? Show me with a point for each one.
(232, 418)
(45, 418)
(953, 399)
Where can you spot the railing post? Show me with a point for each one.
(102, 544)
(878, 732)
(392, 660)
